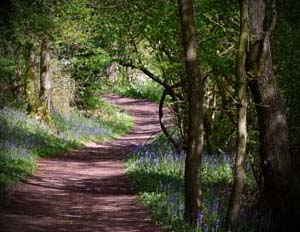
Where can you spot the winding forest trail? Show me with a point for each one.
(84, 190)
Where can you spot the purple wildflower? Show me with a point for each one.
(199, 219)
(172, 198)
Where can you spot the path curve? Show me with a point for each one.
(84, 190)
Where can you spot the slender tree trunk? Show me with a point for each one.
(208, 128)
(274, 144)
(31, 79)
(112, 71)
(45, 83)
(239, 172)
(195, 89)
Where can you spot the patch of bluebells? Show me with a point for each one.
(154, 153)
(18, 136)
(19, 133)
(210, 219)
(160, 159)
(22, 138)
(77, 127)
(9, 147)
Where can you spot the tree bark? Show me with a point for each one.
(112, 71)
(31, 79)
(195, 99)
(274, 143)
(208, 128)
(241, 76)
(45, 83)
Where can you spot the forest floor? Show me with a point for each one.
(86, 189)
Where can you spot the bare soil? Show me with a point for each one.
(84, 190)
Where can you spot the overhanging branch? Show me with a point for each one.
(166, 86)
(162, 125)
(146, 72)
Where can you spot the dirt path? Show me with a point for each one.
(85, 190)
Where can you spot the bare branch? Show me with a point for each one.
(162, 125)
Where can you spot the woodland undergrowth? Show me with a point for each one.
(157, 172)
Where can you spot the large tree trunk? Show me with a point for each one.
(274, 150)
(31, 79)
(195, 93)
(239, 173)
(45, 83)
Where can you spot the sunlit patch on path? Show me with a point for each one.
(86, 189)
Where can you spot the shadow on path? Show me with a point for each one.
(84, 190)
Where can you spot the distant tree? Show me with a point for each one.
(45, 82)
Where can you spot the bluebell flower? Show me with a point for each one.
(161, 185)
(217, 224)
(155, 161)
(205, 228)
(140, 161)
(172, 198)
(199, 219)
(216, 206)
(181, 208)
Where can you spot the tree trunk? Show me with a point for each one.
(112, 71)
(239, 172)
(31, 79)
(45, 83)
(208, 128)
(195, 93)
(274, 150)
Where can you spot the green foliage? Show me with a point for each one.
(286, 57)
(12, 82)
(219, 22)
(14, 168)
(113, 118)
(88, 68)
(140, 88)
(151, 38)
(22, 140)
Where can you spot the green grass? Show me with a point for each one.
(157, 172)
(144, 88)
(24, 139)
(14, 168)
(113, 118)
